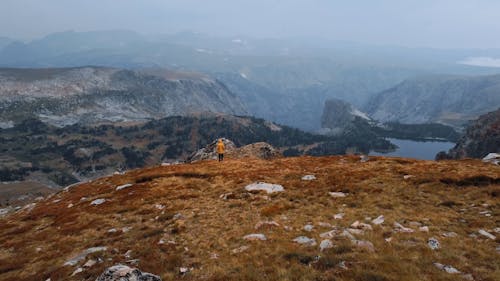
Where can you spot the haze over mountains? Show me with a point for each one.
(285, 80)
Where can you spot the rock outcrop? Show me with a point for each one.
(124, 273)
(481, 138)
(260, 150)
(338, 115)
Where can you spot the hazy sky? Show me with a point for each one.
(416, 23)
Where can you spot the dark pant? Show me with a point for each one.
(221, 157)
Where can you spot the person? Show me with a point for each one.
(220, 149)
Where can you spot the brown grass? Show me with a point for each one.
(196, 224)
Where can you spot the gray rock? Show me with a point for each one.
(262, 186)
(337, 194)
(325, 244)
(448, 268)
(400, 228)
(308, 177)
(124, 273)
(76, 259)
(487, 234)
(97, 202)
(433, 243)
(304, 240)
(255, 236)
(123, 186)
(379, 220)
(308, 227)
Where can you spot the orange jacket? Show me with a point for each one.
(220, 147)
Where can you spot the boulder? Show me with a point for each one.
(379, 220)
(433, 243)
(325, 244)
(304, 240)
(493, 158)
(124, 273)
(255, 236)
(308, 177)
(267, 187)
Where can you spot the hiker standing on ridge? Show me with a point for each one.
(220, 150)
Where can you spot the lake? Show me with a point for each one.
(416, 149)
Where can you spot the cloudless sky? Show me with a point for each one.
(414, 23)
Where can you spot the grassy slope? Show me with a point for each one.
(446, 196)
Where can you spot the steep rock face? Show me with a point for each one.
(338, 115)
(481, 138)
(93, 95)
(450, 100)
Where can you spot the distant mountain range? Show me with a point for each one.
(452, 100)
(286, 80)
(92, 95)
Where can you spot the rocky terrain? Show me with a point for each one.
(93, 95)
(303, 218)
(481, 137)
(338, 115)
(452, 100)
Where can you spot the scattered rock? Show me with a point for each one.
(364, 158)
(449, 234)
(240, 249)
(304, 240)
(124, 273)
(308, 177)
(379, 220)
(367, 245)
(406, 177)
(126, 229)
(415, 224)
(90, 263)
(342, 265)
(360, 225)
(347, 234)
(227, 196)
(308, 227)
(388, 239)
(98, 201)
(325, 244)
(70, 205)
(128, 254)
(356, 231)
(337, 194)
(262, 224)
(325, 224)
(487, 234)
(78, 270)
(424, 229)
(267, 187)
(159, 206)
(255, 236)
(448, 268)
(123, 186)
(400, 228)
(330, 234)
(338, 216)
(76, 259)
(433, 243)
(183, 270)
(493, 158)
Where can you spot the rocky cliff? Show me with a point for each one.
(481, 137)
(452, 100)
(92, 95)
(339, 115)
